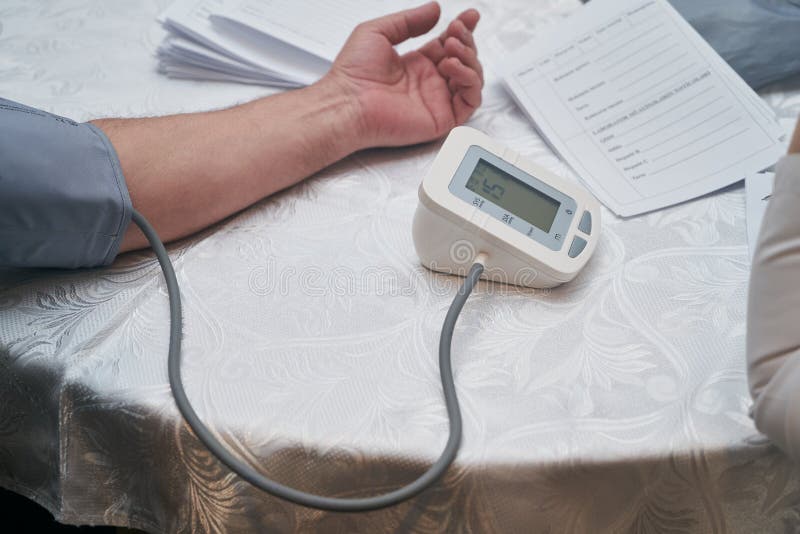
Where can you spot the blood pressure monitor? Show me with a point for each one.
(527, 225)
(483, 212)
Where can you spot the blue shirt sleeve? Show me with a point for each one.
(63, 199)
(760, 39)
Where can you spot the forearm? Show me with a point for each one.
(185, 172)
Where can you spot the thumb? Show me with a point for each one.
(399, 26)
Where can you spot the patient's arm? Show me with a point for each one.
(773, 313)
(185, 172)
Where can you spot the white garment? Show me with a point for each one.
(773, 314)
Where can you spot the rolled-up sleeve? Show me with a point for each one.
(63, 198)
(773, 314)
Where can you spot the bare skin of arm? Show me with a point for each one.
(185, 172)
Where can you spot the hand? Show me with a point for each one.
(418, 96)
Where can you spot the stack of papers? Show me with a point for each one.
(281, 43)
(644, 111)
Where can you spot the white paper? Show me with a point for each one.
(272, 42)
(272, 56)
(644, 110)
(319, 27)
(757, 192)
(182, 58)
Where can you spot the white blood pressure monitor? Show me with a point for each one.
(483, 209)
(533, 227)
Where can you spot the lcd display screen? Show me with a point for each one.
(513, 195)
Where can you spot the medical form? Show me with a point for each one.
(640, 106)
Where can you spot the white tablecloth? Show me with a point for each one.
(615, 403)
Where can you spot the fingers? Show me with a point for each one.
(456, 58)
(402, 25)
(465, 85)
(461, 28)
(466, 54)
(470, 18)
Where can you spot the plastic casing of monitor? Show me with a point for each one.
(449, 232)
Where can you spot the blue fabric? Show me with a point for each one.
(760, 39)
(63, 199)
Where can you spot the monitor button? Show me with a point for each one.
(577, 246)
(585, 225)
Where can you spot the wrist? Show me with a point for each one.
(339, 114)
